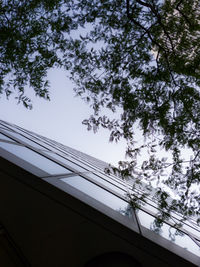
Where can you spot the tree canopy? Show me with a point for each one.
(137, 55)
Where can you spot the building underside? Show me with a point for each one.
(59, 208)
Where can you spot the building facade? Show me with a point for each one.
(58, 207)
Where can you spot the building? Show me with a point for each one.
(59, 208)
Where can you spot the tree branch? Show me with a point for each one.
(159, 19)
(184, 16)
(160, 48)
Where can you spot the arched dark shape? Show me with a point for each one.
(116, 259)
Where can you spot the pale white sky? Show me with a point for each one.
(60, 119)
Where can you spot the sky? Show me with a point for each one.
(61, 119)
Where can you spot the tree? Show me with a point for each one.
(140, 56)
(33, 36)
(143, 56)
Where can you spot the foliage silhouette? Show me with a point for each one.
(140, 56)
